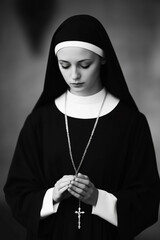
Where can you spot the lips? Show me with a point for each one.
(77, 84)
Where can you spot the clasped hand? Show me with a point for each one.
(78, 186)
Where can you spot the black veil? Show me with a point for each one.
(88, 29)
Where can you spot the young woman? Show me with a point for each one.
(84, 165)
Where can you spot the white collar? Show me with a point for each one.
(86, 107)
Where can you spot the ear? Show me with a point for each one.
(103, 61)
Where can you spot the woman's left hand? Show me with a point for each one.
(83, 189)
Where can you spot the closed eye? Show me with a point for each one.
(85, 63)
(82, 64)
(85, 66)
(64, 65)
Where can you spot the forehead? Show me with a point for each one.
(75, 53)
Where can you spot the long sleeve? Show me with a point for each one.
(138, 199)
(106, 207)
(48, 207)
(24, 189)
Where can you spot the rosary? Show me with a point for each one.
(79, 212)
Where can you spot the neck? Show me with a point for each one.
(86, 107)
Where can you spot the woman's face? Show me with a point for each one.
(80, 69)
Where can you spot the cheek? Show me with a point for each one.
(94, 73)
(64, 74)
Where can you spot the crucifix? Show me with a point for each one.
(79, 212)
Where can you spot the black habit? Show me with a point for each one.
(120, 160)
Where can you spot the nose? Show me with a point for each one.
(75, 74)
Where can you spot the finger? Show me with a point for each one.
(79, 185)
(63, 184)
(65, 179)
(75, 193)
(80, 175)
(69, 177)
(83, 181)
(63, 189)
(80, 191)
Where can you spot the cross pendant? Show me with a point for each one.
(79, 212)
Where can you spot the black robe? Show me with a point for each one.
(120, 160)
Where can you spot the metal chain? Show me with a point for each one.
(68, 136)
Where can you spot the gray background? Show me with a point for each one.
(25, 34)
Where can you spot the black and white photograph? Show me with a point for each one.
(80, 120)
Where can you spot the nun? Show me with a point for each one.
(84, 166)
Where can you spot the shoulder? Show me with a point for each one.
(40, 116)
(130, 115)
(134, 123)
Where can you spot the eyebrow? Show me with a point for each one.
(61, 60)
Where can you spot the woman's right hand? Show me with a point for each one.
(60, 190)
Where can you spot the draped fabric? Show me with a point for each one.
(120, 160)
